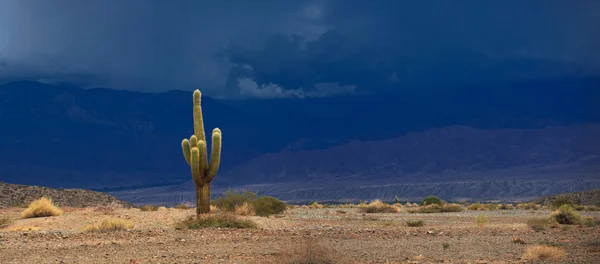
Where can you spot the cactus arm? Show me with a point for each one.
(185, 146)
(193, 141)
(202, 163)
(195, 158)
(215, 157)
(198, 121)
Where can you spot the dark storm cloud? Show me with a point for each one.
(295, 48)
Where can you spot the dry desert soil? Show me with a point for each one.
(344, 235)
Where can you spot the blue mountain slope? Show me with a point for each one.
(95, 138)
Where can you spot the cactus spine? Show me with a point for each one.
(196, 155)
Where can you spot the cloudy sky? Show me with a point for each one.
(271, 48)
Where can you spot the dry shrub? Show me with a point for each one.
(505, 207)
(451, 208)
(305, 207)
(42, 207)
(528, 206)
(149, 208)
(340, 211)
(415, 223)
(114, 224)
(481, 220)
(316, 205)
(245, 209)
(434, 208)
(182, 206)
(362, 204)
(213, 208)
(378, 206)
(476, 206)
(538, 224)
(219, 219)
(543, 253)
(5, 221)
(591, 222)
(312, 252)
(566, 215)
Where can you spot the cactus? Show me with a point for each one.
(196, 155)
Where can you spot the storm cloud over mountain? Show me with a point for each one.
(295, 48)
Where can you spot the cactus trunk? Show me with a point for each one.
(203, 199)
(196, 155)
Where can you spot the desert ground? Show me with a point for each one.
(343, 235)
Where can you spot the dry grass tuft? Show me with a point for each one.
(42, 207)
(543, 253)
(114, 224)
(182, 206)
(219, 219)
(316, 205)
(5, 221)
(378, 206)
(481, 220)
(245, 209)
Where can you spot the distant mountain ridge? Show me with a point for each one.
(63, 136)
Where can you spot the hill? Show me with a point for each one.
(589, 197)
(18, 195)
(64, 136)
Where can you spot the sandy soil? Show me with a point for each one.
(349, 237)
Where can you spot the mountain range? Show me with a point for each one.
(113, 140)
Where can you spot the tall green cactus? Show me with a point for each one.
(196, 155)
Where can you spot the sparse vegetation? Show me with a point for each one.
(42, 207)
(557, 203)
(543, 253)
(539, 224)
(310, 253)
(149, 208)
(566, 215)
(231, 199)
(591, 222)
(220, 219)
(481, 220)
(528, 206)
(518, 240)
(182, 206)
(378, 206)
(429, 200)
(5, 221)
(316, 205)
(245, 209)
(415, 223)
(445, 245)
(109, 225)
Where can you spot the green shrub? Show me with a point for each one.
(268, 205)
(558, 202)
(491, 207)
(221, 219)
(432, 200)
(591, 222)
(231, 199)
(566, 215)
